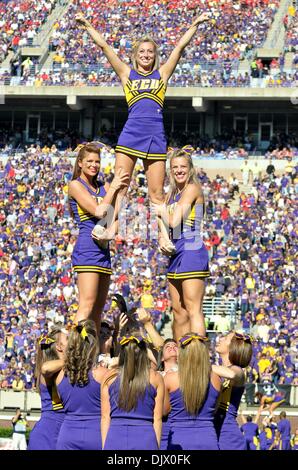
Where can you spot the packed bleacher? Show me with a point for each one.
(229, 144)
(20, 22)
(252, 259)
(211, 60)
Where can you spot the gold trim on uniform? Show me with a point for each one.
(92, 269)
(188, 275)
(140, 154)
(56, 402)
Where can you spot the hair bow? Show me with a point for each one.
(184, 340)
(188, 149)
(79, 147)
(244, 337)
(45, 341)
(127, 339)
(80, 329)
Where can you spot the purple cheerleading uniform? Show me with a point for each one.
(131, 430)
(284, 427)
(143, 135)
(45, 432)
(191, 258)
(87, 256)
(81, 426)
(229, 435)
(192, 432)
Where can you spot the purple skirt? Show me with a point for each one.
(76, 434)
(143, 138)
(45, 432)
(87, 256)
(192, 438)
(188, 264)
(231, 438)
(131, 436)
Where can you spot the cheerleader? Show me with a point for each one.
(49, 351)
(235, 350)
(144, 85)
(132, 400)
(79, 384)
(191, 397)
(188, 267)
(90, 201)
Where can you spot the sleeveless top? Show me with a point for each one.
(85, 220)
(80, 401)
(145, 94)
(143, 411)
(190, 229)
(50, 400)
(179, 416)
(229, 401)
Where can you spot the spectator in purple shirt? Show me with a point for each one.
(284, 427)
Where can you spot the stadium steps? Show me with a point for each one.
(167, 329)
(48, 65)
(40, 46)
(289, 57)
(234, 204)
(275, 40)
(5, 65)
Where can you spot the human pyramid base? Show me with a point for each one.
(152, 393)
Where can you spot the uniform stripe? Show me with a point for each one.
(155, 92)
(145, 74)
(188, 275)
(146, 95)
(139, 154)
(95, 269)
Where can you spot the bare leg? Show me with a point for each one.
(93, 288)
(127, 163)
(193, 294)
(181, 323)
(155, 172)
(274, 405)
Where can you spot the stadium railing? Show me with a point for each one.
(216, 307)
(29, 400)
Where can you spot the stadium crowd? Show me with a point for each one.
(229, 144)
(211, 61)
(21, 21)
(252, 259)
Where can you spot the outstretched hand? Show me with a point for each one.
(202, 18)
(79, 17)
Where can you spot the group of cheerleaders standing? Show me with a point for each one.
(132, 405)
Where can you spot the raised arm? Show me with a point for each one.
(121, 69)
(167, 69)
(145, 318)
(78, 192)
(50, 368)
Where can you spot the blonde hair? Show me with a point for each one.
(135, 49)
(192, 172)
(81, 352)
(194, 374)
(49, 353)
